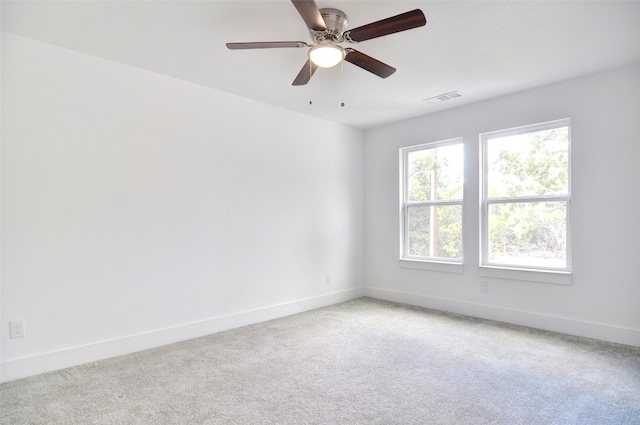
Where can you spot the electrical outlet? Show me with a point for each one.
(328, 279)
(484, 287)
(17, 329)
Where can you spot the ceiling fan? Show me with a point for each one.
(328, 29)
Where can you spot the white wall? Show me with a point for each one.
(139, 210)
(603, 298)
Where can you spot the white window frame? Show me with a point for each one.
(419, 262)
(520, 272)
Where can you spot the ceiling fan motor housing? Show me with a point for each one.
(336, 22)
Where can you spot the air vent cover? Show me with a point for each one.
(443, 97)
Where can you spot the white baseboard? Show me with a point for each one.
(603, 332)
(74, 356)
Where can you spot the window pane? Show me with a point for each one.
(435, 231)
(528, 234)
(529, 164)
(435, 173)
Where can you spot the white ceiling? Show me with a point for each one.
(482, 49)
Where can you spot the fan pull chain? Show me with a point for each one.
(342, 83)
(310, 85)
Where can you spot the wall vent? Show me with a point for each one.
(443, 97)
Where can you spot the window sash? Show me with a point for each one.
(485, 237)
(406, 239)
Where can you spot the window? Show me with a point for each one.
(431, 201)
(526, 197)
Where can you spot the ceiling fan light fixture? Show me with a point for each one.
(326, 55)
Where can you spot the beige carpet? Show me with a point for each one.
(360, 362)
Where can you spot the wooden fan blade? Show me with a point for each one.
(266, 45)
(309, 11)
(368, 63)
(305, 74)
(404, 21)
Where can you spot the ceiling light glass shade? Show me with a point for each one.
(326, 56)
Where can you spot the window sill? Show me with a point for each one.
(544, 276)
(437, 266)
